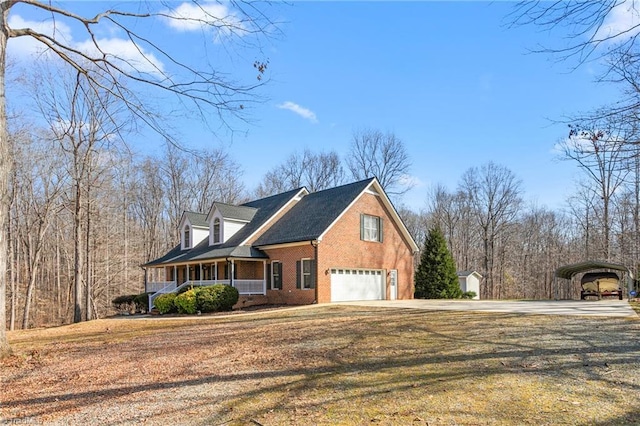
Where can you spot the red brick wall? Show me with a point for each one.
(289, 294)
(249, 270)
(342, 247)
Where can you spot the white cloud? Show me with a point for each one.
(197, 17)
(123, 52)
(27, 46)
(583, 143)
(622, 18)
(300, 110)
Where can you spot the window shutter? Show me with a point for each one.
(312, 284)
(268, 276)
(280, 271)
(380, 229)
(298, 278)
(361, 226)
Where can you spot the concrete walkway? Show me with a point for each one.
(601, 308)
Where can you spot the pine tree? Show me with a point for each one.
(436, 276)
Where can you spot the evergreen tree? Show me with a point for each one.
(436, 277)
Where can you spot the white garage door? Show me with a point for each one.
(356, 284)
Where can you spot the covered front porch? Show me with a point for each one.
(247, 275)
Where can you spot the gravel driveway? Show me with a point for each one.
(600, 308)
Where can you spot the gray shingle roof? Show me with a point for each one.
(197, 219)
(264, 209)
(312, 215)
(305, 221)
(229, 211)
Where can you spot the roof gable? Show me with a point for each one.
(265, 209)
(197, 220)
(317, 212)
(229, 211)
(465, 274)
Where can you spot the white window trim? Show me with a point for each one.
(272, 280)
(302, 274)
(186, 244)
(370, 229)
(213, 231)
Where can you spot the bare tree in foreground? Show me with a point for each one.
(594, 28)
(101, 68)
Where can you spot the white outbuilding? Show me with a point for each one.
(470, 281)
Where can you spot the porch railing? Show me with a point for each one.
(170, 287)
(158, 285)
(245, 287)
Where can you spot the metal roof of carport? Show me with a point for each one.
(568, 271)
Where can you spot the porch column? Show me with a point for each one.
(215, 270)
(264, 277)
(201, 273)
(175, 274)
(233, 271)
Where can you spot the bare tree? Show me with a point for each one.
(594, 28)
(453, 213)
(315, 171)
(148, 207)
(383, 155)
(583, 208)
(202, 89)
(599, 151)
(416, 224)
(38, 199)
(84, 121)
(217, 177)
(494, 192)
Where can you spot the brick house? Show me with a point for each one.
(341, 244)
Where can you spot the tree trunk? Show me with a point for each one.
(5, 174)
(12, 277)
(87, 242)
(78, 294)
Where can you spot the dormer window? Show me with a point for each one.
(187, 238)
(216, 231)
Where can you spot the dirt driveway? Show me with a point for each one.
(599, 308)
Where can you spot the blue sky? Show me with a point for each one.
(450, 79)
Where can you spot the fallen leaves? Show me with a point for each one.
(326, 365)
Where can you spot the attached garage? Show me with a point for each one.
(349, 285)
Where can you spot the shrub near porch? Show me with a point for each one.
(206, 299)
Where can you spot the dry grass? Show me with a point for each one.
(328, 365)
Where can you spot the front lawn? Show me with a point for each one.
(328, 365)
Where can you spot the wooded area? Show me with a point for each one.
(84, 211)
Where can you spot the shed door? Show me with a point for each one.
(357, 284)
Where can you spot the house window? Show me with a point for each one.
(306, 273)
(276, 275)
(370, 228)
(216, 231)
(187, 238)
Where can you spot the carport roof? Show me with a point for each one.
(568, 271)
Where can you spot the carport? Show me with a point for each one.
(567, 272)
